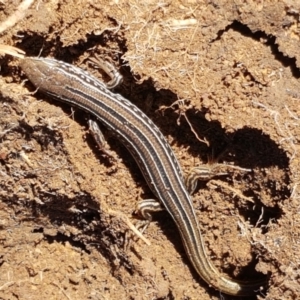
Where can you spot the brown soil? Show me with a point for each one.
(237, 68)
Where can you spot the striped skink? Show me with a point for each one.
(149, 148)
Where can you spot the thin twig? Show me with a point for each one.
(18, 15)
